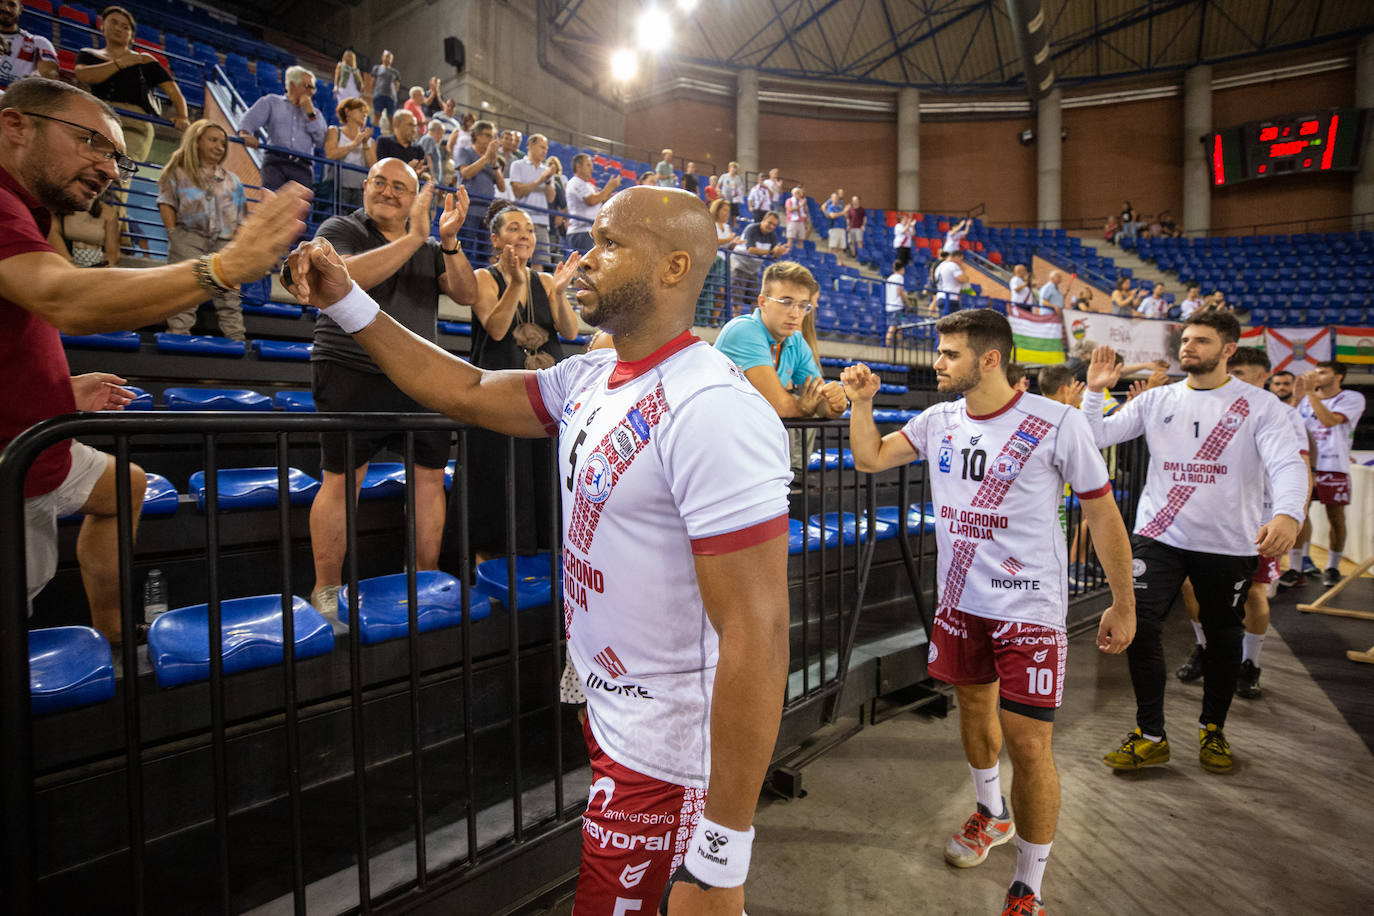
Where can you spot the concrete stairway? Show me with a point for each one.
(1139, 268)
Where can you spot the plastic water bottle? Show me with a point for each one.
(154, 595)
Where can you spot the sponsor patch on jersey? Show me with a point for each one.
(637, 423)
(1006, 467)
(1028, 436)
(1169, 419)
(623, 441)
(596, 478)
(1137, 568)
(946, 455)
(1019, 447)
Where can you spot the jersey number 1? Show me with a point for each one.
(572, 458)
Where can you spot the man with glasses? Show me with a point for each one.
(481, 178)
(293, 125)
(389, 251)
(770, 346)
(60, 148)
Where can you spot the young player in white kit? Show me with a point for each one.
(1331, 414)
(1250, 365)
(1212, 438)
(999, 460)
(675, 548)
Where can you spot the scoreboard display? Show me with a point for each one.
(1324, 141)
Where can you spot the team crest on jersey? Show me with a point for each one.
(1006, 467)
(1137, 568)
(933, 654)
(596, 478)
(1232, 420)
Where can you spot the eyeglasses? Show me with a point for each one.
(804, 306)
(101, 146)
(380, 184)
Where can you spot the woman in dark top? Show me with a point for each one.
(126, 79)
(517, 319)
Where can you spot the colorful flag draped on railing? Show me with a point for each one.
(1039, 339)
(1297, 349)
(1355, 345)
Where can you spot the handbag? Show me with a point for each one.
(151, 103)
(529, 336)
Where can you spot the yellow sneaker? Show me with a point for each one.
(1213, 752)
(1137, 752)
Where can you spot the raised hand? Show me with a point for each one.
(563, 274)
(1076, 389)
(860, 383)
(268, 233)
(451, 219)
(100, 391)
(319, 276)
(1299, 387)
(512, 266)
(1138, 387)
(1103, 371)
(419, 211)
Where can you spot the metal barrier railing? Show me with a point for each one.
(132, 749)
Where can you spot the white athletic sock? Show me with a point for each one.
(988, 786)
(1155, 738)
(1030, 863)
(1250, 645)
(1333, 559)
(1295, 558)
(1201, 637)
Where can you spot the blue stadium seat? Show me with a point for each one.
(848, 525)
(294, 401)
(383, 480)
(459, 328)
(296, 351)
(915, 518)
(816, 538)
(142, 399)
(892, 389)
(254, 488)
(832, 459)
(160, 497)
(68, 666)
(215, 399)
(115, 340)
(383, 608)
(532, 584)
(198, 345)
(894, 416)
(272, 309)
(251, 634)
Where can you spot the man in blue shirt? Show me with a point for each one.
(293, 125)
(775, 346)
(479, 173)
(758, 241)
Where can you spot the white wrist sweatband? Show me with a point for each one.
(355, 311)
(719, 856)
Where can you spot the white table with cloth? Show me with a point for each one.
(1359, 515)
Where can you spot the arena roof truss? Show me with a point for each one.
(953, 46)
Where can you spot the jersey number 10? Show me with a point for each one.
(975, 463)
(1040, 681)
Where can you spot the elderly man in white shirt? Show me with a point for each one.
(1051, 297)
(531, 180)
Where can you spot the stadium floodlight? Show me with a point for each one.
(624, 64)
(686, 6)
(653, 30)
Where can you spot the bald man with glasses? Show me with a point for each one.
(60, 147)
(390, 252)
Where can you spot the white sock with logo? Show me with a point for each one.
(1030, 863)
(1201, 636)
(1250, 646)
(1333, 559)
(988, 786)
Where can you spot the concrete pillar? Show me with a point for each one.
(747, 121)
(1362, 200)
(908, 148)
(1197, 174)
(1049, 159)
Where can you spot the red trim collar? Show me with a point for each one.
(996, 413)
(625, 372)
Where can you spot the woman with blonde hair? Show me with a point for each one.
(351, 141)
(712, 296)
(202, 204)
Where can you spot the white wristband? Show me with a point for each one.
(719, 856)
(355, 311)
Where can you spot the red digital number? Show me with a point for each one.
(1268, 133)
(1290, 148)
(1309, 127)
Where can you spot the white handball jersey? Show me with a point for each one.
(1299, 433)
(1334, 442)
(673, 455)
(1208, 447)
(998, 487)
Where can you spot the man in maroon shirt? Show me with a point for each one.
(60, 148)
